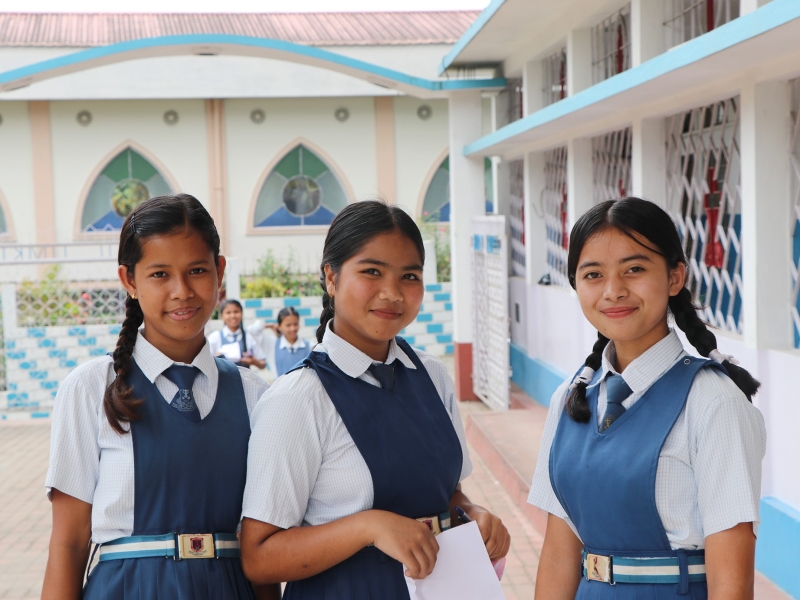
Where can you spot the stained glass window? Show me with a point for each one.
(3, 224)
(127, 180)
(436, 205)
(300, 190)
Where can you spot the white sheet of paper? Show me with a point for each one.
(463, 570)
(231, 351)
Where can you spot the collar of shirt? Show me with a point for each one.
(298, 343)
(647, 368)
(228, 333)
(153, 362)
(352, 361)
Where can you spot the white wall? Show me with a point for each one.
(16, 169)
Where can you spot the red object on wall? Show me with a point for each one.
(463, 365)
(564, 236)
(715, 253)
(709, 15)
(620, 53)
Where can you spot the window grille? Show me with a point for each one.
(611, 45)
(554, 71)
(688, 19)
(56, 304)
(795, 219)
(2, 352)
(516, 183)
(703, 197)
(611, 160)
(554, 202)
(515, 109)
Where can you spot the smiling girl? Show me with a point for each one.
(650, 463)
(149, 445)
(280, 342)
(353, 454)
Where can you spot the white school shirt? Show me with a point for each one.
(708, 477)
(92, 462)
(266, 339)
(216, 341)
(303, 468)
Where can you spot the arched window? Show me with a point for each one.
(436, 205)
(3, 223)
(126, 181)
(300, 190)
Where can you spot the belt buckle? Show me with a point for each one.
(195, 545)
(432, 523)
(599, 568)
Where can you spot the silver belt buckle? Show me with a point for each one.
(432, 523)
(598, 568)
(195, 545)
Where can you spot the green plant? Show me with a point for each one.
(440, 234)
(47, 302)
(273, 278)
(262, 287)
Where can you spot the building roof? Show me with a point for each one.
(314, 29)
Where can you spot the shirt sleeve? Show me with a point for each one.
(214, 342)
(727, 446)
(254, 387)
(255, 348)
(286, 450)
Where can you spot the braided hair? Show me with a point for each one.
(353, 227)
(158, 216)
(648, 225)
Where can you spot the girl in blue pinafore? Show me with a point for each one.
(650, 463)
(356, 455)
(280, 341)
(149, 445)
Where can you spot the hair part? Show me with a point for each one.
(226, 303)
(288, 311)
(353, 227)
(161, 215)
(650, 226)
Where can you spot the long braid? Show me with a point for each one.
(699, 336)
(119, 403)
(577, 406)
(327, 307)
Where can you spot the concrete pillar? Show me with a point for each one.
(233, 273)
(218, 170)
(580, 192)
(649, 161)
(766, 206)
(466, 201)
(579, 60)
(43, 195)
(535, 231)
(647, 30)
(532, 84)
(384, 134)
(748, 6)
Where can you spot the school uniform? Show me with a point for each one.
(329, 440)
(281, 356)
(179, 470)
(681, 462)
(219, 338)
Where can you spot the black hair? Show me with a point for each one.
(161, 215)
(650, 226)
(353, 227)
(288, 311)
(225, 303)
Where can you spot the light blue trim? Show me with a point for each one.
(536, 378)
(778, 544)
(470, 34)
(766, 18)
(117, 53)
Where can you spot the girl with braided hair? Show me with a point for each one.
(650, 463)
(149, 445)
(356, 455)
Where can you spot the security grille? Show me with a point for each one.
(53, 303)
(611, 161)
(2, 351)
(611, 45)
(554, 202)
(703, 197)
(554, 73)
(516, 222)
(795, 175)
(688, 19)
(490, 349)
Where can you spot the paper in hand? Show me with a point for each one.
(231, 351)
(463, 570)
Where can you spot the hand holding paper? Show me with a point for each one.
(231, 351)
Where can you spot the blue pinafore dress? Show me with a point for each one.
(414, 456)
(287, 358)
(606, 484)
(189, 478)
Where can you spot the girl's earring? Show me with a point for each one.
(133, 296)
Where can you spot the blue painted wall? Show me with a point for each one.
(537, 379)
(778, 547)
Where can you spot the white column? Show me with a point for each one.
(647, 30)
(649, 161)
(9, 305)
(579, 60)
(233, 272)
(748, 6)
(579, 179)
(466, 200)
(532, 84)
(766, 206)
(535, 232)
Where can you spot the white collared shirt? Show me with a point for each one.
(216, 339)
(709, 471)
(303, 468)
(265, 339)
(92, 462)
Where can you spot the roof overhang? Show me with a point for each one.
(766, 36)
(231, 45)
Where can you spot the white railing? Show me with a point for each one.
(516, 221)
(688, 19)
(795, 183)
(554, 75)
(611, 162)
(611, 45)
(554, 203)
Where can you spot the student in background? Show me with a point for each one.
(232, 340)
(280, 342)
(149, 446)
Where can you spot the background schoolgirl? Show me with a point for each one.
(650, 463)
(152, 441)
(280, 342)
(233, 332)
(364, 440)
